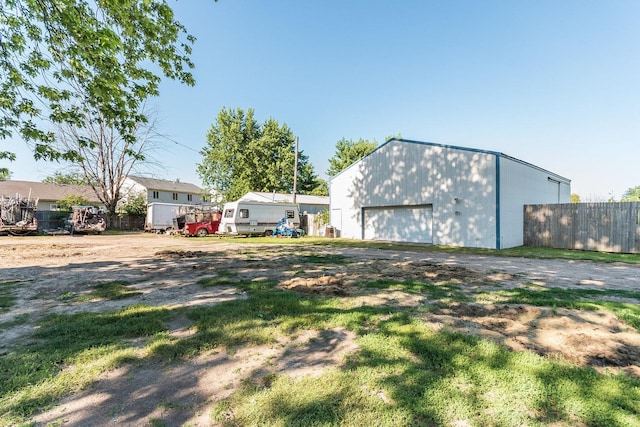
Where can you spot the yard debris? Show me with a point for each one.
(86, 220)
(18, 215)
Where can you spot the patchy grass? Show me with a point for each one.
(18, 320)
(578, 299)
(70, 352)
(443, 293)
(405, 374)
(7, 297)
(115, 290)
(334, 259)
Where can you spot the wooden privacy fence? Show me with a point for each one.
(604, 227)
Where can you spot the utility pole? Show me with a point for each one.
(295, 172)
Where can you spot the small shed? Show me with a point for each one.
(422, 192)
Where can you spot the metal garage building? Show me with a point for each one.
(412, 191)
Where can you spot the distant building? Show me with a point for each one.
(163, 191)
(306, 203)
(48, 195)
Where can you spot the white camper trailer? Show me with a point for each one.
(248, 218)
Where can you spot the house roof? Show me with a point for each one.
(166, 185)
(302, 199)
(48, 192)
(475, 150)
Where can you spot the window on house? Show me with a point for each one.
(175, 196)
(54, 207)
(156, 195)
(289, 214)
(244, 213)
(190, 197)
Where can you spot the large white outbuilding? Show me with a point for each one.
(412, 191)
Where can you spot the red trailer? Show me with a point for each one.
(200, 229)
(201, 224)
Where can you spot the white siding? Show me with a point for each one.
(399, 224)
(459, 184)
(524, 184)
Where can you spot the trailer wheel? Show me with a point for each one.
(268, 233)
(202, 232)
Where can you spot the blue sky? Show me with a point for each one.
(554, 83)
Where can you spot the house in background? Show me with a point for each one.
(163, 191)
(412, 191)
(306, 203)
(48, 195)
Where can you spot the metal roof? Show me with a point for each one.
(476, 150)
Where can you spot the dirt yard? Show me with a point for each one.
(166, 270)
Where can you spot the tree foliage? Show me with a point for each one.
(347, 153)
(134, 205)
(575, 198)
(5, 174)
(72, 178)
(65, 59)
(71, 200)
(631, 195)
(242, 155)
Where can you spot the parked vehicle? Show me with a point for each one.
(201, 224)
(248, 218)
(160, 216)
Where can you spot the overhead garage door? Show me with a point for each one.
(399, 223)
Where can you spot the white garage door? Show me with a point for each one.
(399, 223)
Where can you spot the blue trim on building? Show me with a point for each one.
(473, 150)
(498, 201)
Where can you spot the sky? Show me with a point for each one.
(553, 83)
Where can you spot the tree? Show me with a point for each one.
(71, 200)
(135, 205)
(109, 158)
(631, 195)
(347, 153)
(62, 60)
(72, 178)
(5, 174)
(241, 156)
(575, 198)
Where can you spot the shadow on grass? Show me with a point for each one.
(404, 373)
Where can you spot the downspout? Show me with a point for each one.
(498, 201)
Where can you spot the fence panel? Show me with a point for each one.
(605, 227)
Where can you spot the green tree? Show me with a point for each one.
(347, 153)
(631, 195)
(136, 205)
(575, 198)
(71, 200)
(242, 155)
(72, 178)
(62, 59)
(5, 174)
